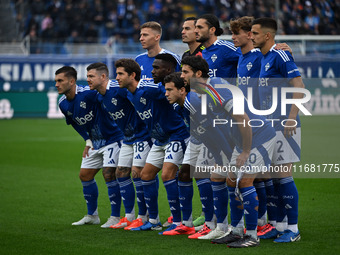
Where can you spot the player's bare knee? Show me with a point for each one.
(231, 182)
(109, 174)
(123, 172)
(246, 182)
(184, 173)
(87, 174)
(169, 173)
(136, 172)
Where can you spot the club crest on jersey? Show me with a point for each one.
(267, 66)
(114, 101)
(142, 100)
(83, 104)
(213, 58)
(211, 107)
(249, 66)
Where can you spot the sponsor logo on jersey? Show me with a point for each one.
(82, 104)
(141, 68)
(213, 58)
(249, 66)
(145, 115)
(83, 120)
(138, 156)
(69, 113)
(114, 101)
(117, 115)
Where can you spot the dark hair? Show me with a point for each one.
(213, 21)
(168, 58)
(130, 66)
(197, 63)
(243, 23)
(100, 67)
(266, 23)
(68, 71)
(191, 18)
(177, 80)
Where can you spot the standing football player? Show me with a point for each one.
(135, 147)
(278, 70)
(102, 142)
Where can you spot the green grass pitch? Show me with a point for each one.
(41, 195)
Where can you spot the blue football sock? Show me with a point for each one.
(151, 197)
(140, 196)
(271, 201)
(220, 194)
(90, 191)
(281, 210)
(114, 196)
(171, 187)
(236, 208)
(206, 196)
(250, 204)
(186, 193)
(127, 191)
(261, 194)
(290, 199)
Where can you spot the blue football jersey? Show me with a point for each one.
(162, 121)
(201, 126)
(145, 63)
(116, 104)
(185, 114)
(248, 72)
(87, 117)
(277, 69)
(221, 107)
(222, 57)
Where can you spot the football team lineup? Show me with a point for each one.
(166, 119)
(183, 153)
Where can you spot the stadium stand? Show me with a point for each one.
(50, 24)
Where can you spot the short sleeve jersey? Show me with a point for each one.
(222, 57)
(248, 72)
(277, 69)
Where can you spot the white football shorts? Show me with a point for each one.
(134, 154)
(287, 150)
(106, 156)
(172, 152)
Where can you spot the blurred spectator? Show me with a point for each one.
(97, 20)
(91, 34)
